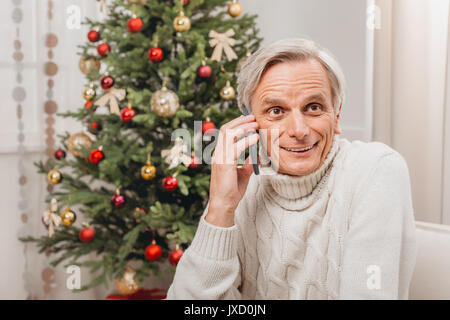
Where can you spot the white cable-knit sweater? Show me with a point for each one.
(345, 231)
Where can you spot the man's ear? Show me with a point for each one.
(337, 128)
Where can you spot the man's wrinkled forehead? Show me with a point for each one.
(316, 97)
(310, 82)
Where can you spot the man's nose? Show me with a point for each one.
(297, 126)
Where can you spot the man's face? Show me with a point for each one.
(295, 98)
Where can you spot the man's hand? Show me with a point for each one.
(228, 182)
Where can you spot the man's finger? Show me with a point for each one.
(237, 121)
(240, 131)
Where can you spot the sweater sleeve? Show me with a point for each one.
(380, 245)
(209, 269)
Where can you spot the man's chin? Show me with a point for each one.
(301, 170)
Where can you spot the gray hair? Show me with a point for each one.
(295, 49)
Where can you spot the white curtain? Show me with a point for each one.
(410, 90)
(446, 144)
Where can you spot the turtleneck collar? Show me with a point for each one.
(290, 189)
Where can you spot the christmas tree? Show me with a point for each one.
(152, 66)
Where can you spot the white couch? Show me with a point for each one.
(431, 278)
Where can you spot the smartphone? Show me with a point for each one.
(253, 150)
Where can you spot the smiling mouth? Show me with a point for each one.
(300, 150)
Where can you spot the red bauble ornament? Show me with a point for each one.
(207, 125)
(127, 114)
(155, 54)
(195, 163)
(186, 2)
(118, 200)
(170, 183)
(153, 251)
(103, 49)
(60, 153)
(175, 256)
(106, 82)
(93, 36)
(88, 104)
(134, 24)
(96, 156)
(204, 71)
(94, 127)
(87, 234)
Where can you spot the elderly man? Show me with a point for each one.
(333, 221)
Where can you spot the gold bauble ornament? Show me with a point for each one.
(148, 172)
(182, 23)
(76, 141)
(68, 217)
(89, 93)
(87, 65)
(164, 102)
(54, 176)
(234, 9)
(227, 92)
(127, 284)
